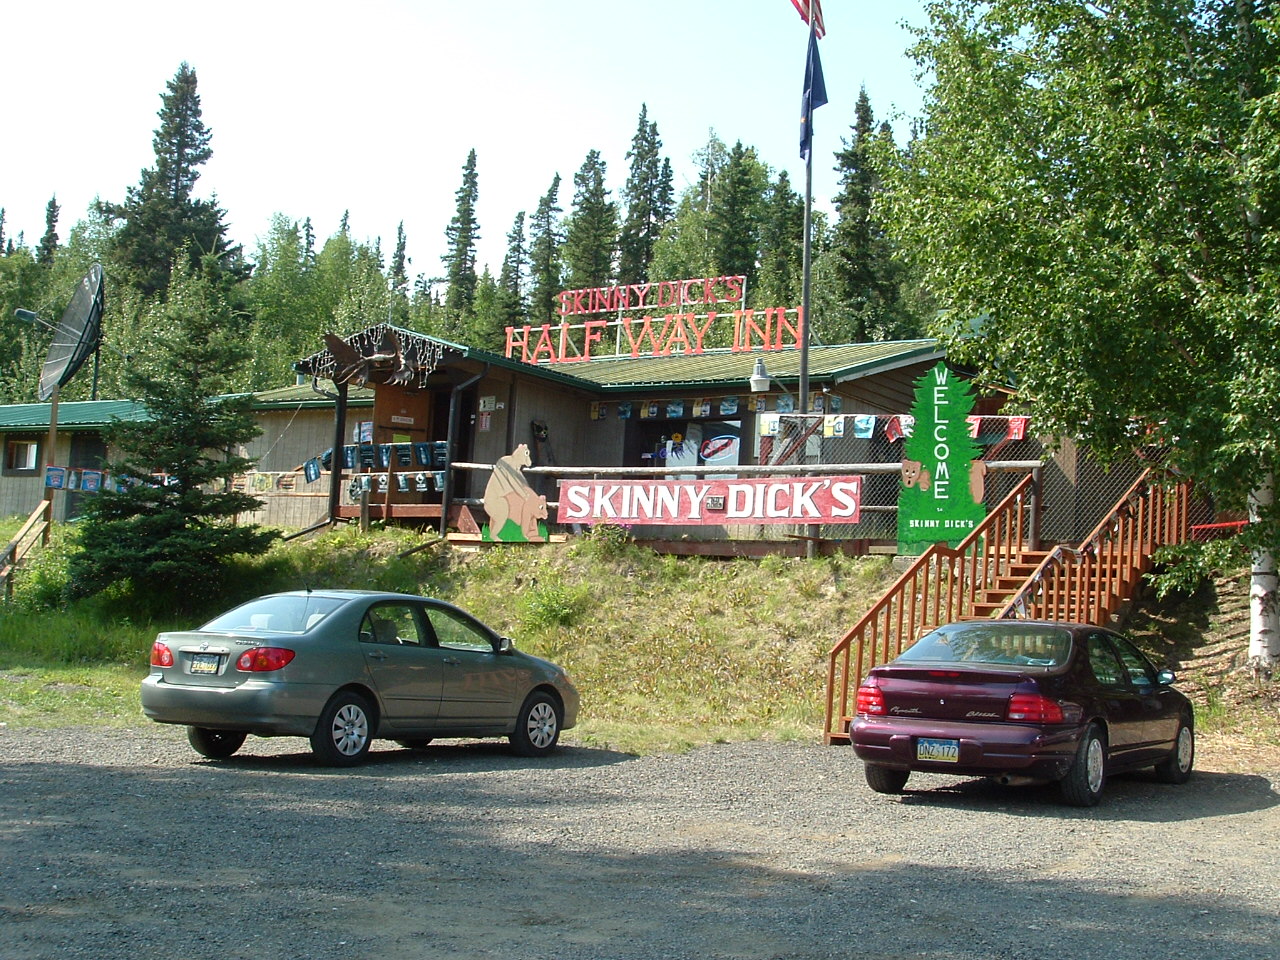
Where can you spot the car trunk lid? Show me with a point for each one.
(205, 659)
(943, 693)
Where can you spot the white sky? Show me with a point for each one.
(371, 107)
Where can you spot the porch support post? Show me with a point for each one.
(335, 464)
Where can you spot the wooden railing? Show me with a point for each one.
(35, 530)
(941, 586)
(1090, 583)
(996, 572)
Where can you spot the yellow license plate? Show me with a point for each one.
(944, 751)
(205, 662)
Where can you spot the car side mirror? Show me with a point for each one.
(1166, 677)
(506, 645)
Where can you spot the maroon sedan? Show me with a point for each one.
(1022, 701)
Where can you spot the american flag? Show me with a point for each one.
(808, 9)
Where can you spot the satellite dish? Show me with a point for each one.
(76, 336)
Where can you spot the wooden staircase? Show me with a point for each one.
(998, 571)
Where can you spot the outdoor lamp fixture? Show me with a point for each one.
(759, 377)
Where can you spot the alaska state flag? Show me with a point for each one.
(815, 94)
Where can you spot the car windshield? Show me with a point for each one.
(281, 614)
(1033, 645)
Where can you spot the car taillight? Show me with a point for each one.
(1033, 708)
(263, 659)
(161, 655)
(870, 700)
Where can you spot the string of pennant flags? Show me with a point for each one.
(863, 426)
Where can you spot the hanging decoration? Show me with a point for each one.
(380, 354)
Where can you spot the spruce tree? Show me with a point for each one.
(48, 248)
(781, 246)
(399, 277)
(591, 235)
(737, 198)
(867, 277)
(165, 538)
(545, 266)
(161, 221)
(462, 234)
(511, 279)
(648, 202)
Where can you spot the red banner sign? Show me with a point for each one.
(696, 502)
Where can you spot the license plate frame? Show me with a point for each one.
(937, 750)
(205, 664)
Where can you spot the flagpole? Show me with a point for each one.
(811, 540)
(806, 271)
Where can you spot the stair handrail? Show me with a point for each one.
(36, 529)
(1108, 560)
(960, 573)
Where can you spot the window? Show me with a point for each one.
(391, 623)
(457, 632)
(1102, 660)
(1135, 664)
(21, 456)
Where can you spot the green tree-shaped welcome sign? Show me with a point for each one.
(942, 471)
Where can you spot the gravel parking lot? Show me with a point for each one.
(124, 843)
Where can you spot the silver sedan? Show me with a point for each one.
(345, 667)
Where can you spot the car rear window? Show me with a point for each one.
(995, 642)
(281, 614)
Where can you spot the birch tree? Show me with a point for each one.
(1094, 200)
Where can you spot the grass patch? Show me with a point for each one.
(668, 652)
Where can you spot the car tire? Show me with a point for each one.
(416, 743)
(215, 744)
(537, 725)
(883, 779)
(344, 731)
(1082, 786)
(1176, 768)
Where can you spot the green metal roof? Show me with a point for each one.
(301, 395)
(723, 368)
(726, 368)
(76, 413)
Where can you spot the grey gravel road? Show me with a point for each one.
(125, 844)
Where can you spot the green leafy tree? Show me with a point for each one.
(161, 221)
(685, 248)
(546, 238)
(1095, 197)
(48, 248)
(287, 323)
(167, 543)
(591, 234)
(462, 234)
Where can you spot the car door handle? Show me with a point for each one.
(452, 661)
(376, 655)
